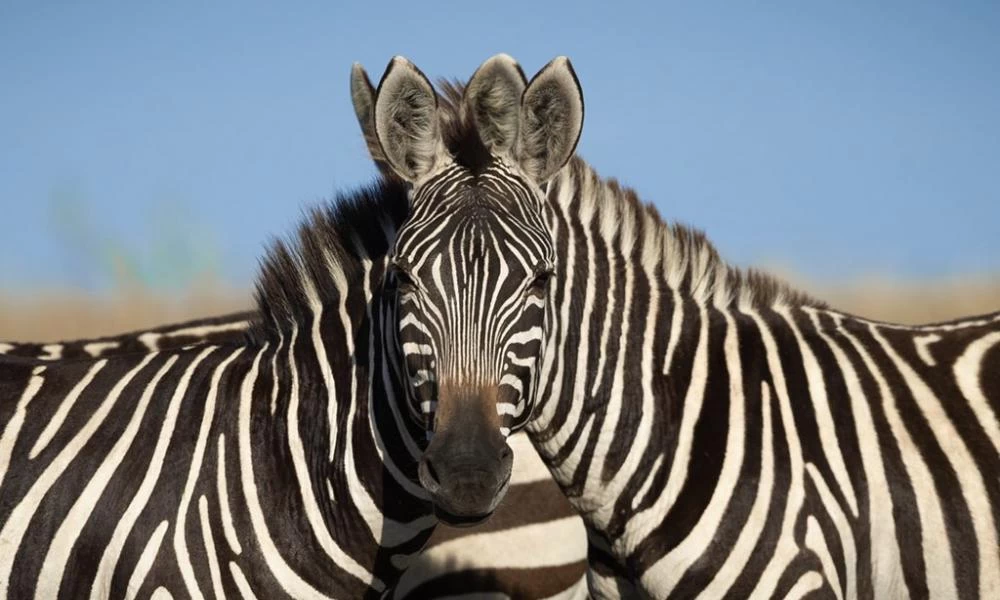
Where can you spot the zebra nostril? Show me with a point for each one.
(428, 476)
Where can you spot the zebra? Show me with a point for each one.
(720, 433)
(483, 560)
(455, 193)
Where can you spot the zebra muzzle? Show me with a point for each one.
(466, 484)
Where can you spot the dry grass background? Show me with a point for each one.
(912, 302)
(60, 315)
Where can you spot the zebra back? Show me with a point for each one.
(211, 330)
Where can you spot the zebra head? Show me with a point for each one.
(472, 263)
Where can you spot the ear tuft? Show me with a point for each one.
(362, 94)
(551, 120)
(493, 98)
(363, 99)
(406, 120)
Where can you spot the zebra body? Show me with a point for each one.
(482, 560)
(272, 466)
(720, 434)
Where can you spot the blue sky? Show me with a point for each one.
(836, 141)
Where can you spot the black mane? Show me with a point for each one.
(458, 128)
(354, 227)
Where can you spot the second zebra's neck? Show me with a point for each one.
(624, 326)
(324, 426)
(329, 388)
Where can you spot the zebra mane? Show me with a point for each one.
(689, 261)
(458, 127)
(326, 256)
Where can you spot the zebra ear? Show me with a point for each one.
(363, 99)
(551, 120)
(406, 121)
(493, 98)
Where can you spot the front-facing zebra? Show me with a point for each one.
(471, 265)
(281, 464)
(721, 435)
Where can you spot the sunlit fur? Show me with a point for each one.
(722, 434)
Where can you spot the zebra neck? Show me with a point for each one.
(323, 415)
(337, 403)
(619, 324)
(597, 223)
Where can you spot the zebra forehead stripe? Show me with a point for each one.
(317, 282)
(876, 438)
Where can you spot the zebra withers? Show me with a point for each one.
(719, 433)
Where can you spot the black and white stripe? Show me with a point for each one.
(485, 559)
(473, 258)
(265, 467)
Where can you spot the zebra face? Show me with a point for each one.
(472, 264)
(471, 269)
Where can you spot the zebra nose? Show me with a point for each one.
(465, 488)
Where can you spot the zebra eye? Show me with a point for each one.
(404, 282)
(541, 281)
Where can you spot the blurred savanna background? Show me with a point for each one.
(149, 153)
